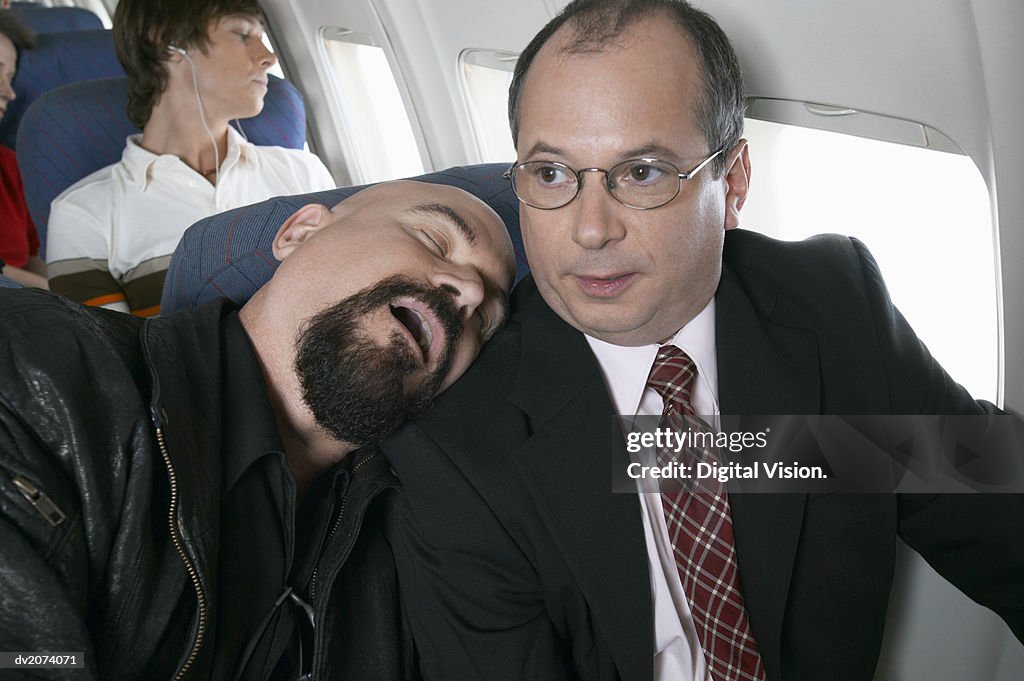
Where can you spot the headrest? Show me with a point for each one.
(231, 254)
(57, 59)
(79, 128)
(56, 19)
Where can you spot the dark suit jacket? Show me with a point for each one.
(517, 562)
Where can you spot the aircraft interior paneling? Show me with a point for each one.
(938, 74)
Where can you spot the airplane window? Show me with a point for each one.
(378, 130)
(925, 215)
(98, 8)
(484, 77)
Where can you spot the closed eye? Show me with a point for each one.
(493, 316)
(486, 328)
(435, 243)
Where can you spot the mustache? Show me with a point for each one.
(440, 299)
(356, 387)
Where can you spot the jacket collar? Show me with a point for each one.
(567, 465)
(183, 351)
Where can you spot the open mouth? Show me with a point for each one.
(421, 323)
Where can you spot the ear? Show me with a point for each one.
(737, 178)
(296, 230)
(172, 56)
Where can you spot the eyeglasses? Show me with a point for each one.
(641, 183)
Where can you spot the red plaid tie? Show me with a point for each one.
(700, 529)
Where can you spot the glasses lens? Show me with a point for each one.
(644, 183)
(544, 184)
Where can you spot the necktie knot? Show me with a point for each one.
(672, 376)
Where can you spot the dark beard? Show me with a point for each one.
(355, 388)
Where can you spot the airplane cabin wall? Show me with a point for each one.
(947, 64)
(950, 64)
(423, 40)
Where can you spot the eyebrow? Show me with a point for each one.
(645, 150)
(253, 19)
(448, 214)
(652, 150)
(544, 148)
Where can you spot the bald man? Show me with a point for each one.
(195, 496)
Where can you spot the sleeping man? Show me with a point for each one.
(197, 495)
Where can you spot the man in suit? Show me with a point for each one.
(515, 559)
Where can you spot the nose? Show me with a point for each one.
(466, 280)
(268, 58)
(6, 91)
(596, 221)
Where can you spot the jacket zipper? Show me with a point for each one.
(189, 567)
(38, 498)
(337, 523)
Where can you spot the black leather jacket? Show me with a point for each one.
(110, 473)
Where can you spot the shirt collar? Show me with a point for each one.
(249, 419)
(240, 150)
(142, 163)
(626, 368)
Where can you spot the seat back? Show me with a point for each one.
(57, 59)
(56, 19)
(230, 254)
(77, 129)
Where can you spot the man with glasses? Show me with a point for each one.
(516, 560)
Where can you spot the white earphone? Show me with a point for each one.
(202, 113)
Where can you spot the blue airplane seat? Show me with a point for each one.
(78, 128)
(43, 19)
(59, 58)
(231, 254)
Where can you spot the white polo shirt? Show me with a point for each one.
(111, 235)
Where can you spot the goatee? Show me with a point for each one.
(355, 388)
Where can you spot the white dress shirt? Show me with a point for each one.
(678, 655)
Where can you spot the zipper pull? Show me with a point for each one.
(38, 498)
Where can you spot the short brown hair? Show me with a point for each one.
(144, 28)
(17, 31)
(595, 24)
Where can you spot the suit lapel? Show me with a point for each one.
(767, 365)
(567, 466)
